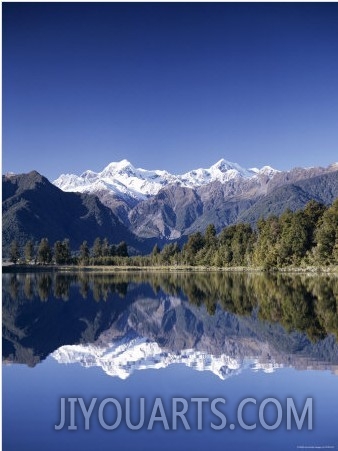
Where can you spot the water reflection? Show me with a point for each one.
(125, 322)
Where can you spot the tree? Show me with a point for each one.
(84, 253)
(169, 252)
(236, 245)
(14, 252)
(225, 239)
(266, 252)
(105, 248)
(67, 255)
(327, 236)
(195, 243)
(156, 250)
(112, 250)
(58, 253)
(241, 244)
(293, 242)
(313, 212)
(122, 249)
(210, 236)
(29, 251)
(44, 252)
(62, 253)
(97, 248)
(155, 255)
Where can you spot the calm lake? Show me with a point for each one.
(185, 361)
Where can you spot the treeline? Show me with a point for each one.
(305, 237)
(102, 252)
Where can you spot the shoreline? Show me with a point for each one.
(313, 270)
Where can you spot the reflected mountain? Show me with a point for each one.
(210, 322)
(123, 357)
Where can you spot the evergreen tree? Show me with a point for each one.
(266, 253)
(14, 252)
(105, 248)
(195, 243)
(84, 253)
(67, 256)
(210, 236)
(97, 248)
(44, 252)
(169, 252)
(293, 241)
(313, 212)
(225, 239)
(29, 251)
(62, 253)
(155, 255)
(241, 244)
(58, 253)
(236, 245)
(327, 236)
(122, 249)
(156, 250)
(285, 240)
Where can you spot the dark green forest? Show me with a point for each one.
(302, 238)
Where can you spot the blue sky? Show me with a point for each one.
(174, 86)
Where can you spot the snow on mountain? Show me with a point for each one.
(123, 179)
(121, 358)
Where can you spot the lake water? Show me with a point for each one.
(220, 361)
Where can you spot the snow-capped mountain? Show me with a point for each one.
(160, 205)
(122, 178)
(121, 358)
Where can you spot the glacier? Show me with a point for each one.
(124, 180)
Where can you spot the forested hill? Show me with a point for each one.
(33, 208)
(294, 196)
(306, 237)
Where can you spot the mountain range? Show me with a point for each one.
(143, 207)
(157, 204)
(123, 179)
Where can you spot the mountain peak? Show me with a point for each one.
(9, 174)
(333, 166)
(123, 167)
(268, 170)
(224, 165)
(30, 179)
(118, 165)
(87, 175)
(123, 163)
(124, 179)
